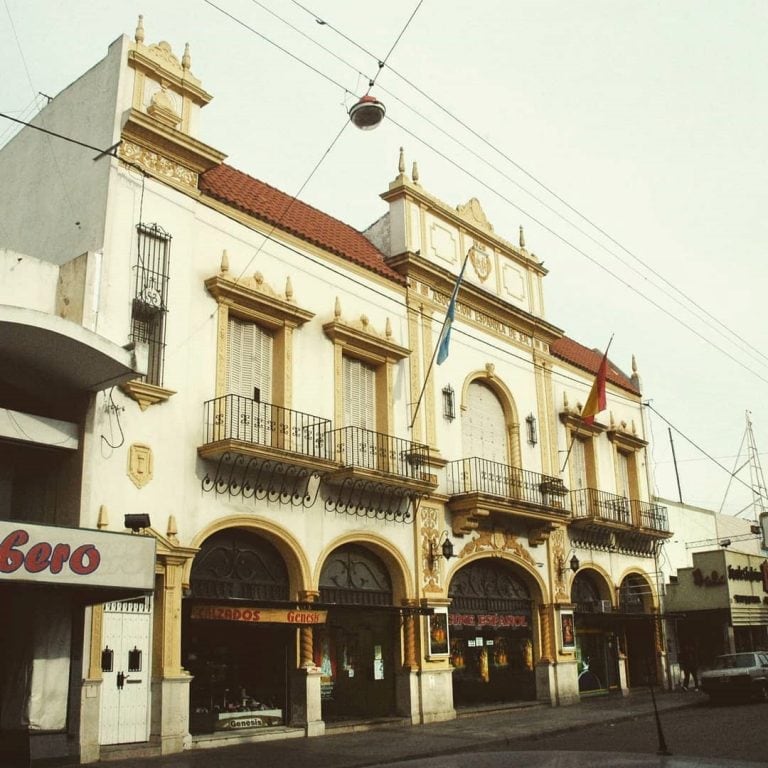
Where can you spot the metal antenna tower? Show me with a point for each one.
(756, 478)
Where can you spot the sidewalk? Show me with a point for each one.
(472, 730)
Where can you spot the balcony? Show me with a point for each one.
(482, 489)
(249, 429)
(378, 460)
(609, 521)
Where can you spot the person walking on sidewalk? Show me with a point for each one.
(689, 666)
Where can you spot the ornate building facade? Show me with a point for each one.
(342, 530)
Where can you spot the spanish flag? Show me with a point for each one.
(596, 401)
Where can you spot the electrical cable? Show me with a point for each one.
(496, 192)
(735, 336)
(647, 404)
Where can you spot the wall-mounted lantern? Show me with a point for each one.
(530, 422)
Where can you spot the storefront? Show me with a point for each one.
(596, 637)
(357, 650)
(491, 635)
(719, 605)
(48, 575)
(239, 634)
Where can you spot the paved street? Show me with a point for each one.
(615, 723)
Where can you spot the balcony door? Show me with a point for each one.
(249, 360)
(483, 426)
(359, 394)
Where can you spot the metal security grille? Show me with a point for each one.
(150, 299)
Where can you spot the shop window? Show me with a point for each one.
(491, 635)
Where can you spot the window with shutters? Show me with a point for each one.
(359, 394)
(255, 334)
(627, 447)
(249, 360)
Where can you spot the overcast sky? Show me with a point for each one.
(648, 118)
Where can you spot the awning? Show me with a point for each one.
(92, 566)
(58, 352)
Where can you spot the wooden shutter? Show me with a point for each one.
(579, 464)
(359, 394)
(624, 484)
(249, 360)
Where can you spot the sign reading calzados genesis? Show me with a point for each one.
(77, 556)
(257, 615)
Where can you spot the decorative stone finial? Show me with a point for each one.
(172, 530)
(634, 365)
(337, 309)
(103, 520)
(288, 288)
(611, 421)
(566, 406)
(401, 162)
(224, 262)
(388, 329)
(364, 320)
(415, 172)
(139, 34)
(258, 278)
(522, 237)
(186, 59)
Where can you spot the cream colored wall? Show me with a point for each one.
(28, 282)
(173, 429)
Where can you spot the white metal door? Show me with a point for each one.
(125, 665)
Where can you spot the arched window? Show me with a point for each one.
(239, 564)
(353, 575)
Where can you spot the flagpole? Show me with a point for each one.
(578, 426)
(454, 295)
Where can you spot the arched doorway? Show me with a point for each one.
(357, 649)
(235, 643)
(596, 640)
(491, 634)
(636, 606)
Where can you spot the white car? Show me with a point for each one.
(737, 676)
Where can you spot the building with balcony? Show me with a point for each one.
(342, 530)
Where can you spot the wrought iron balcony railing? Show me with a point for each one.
(653, 516)
(365, 449)
(232, 417)
(600, 505)
(476, 475)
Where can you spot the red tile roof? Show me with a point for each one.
(589, 360)
(255, 198)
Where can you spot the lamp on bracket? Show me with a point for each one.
(573, 564)
(443, 547)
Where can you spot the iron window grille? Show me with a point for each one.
(150, 299)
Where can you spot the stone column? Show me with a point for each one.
(410, 662)
(170, 682)
(306, 708)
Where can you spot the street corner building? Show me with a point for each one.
(237, 498)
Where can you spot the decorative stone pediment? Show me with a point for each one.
(362, 340)
(473, 213)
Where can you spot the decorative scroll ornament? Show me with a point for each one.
(497, 541)
(429, 537)
(259, 479)
(372, 499)
(156, 164)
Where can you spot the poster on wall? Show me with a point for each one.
(567, 631)
(437, 624)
